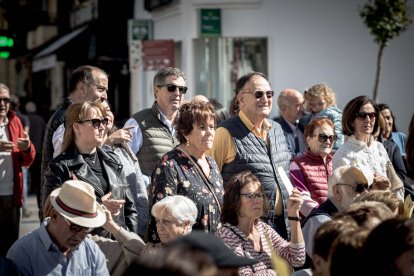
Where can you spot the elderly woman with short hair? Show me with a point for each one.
(83, 159)
(310, 172)
(174, 216)
(187, 170)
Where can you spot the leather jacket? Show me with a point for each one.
(71, 165)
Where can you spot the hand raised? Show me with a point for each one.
(23, 143)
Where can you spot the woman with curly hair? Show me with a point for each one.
(187, 170)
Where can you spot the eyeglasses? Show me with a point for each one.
(5, 100)
(358, 187)
(259, 94)
(323, 138)
(363, 115)
(74, 228)
(96, 122)
(252, 196)
(172, 88)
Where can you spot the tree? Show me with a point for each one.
(386, 19)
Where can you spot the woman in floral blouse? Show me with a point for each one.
(187, 170)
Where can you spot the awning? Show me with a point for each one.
(59, 43)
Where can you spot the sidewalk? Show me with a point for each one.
(30, 223)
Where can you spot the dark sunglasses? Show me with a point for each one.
(74, 228)
(363, 115)
(172, 88)
(5, 100)
(358, 187)
(323, 138)
(252, 196)
(259, 94)
(96, 122)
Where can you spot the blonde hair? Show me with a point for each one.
(77, 112)
(321, 91)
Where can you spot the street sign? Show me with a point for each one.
(157, 54)
(210, 22)
(139, 30)
(149, 55)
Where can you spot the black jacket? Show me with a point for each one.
(54, 122)
(71, 165)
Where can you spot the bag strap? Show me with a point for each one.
(204, 177)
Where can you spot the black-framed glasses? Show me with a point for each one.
(363, 115)
(172, 88)
(5, 100)
(252, 196)
(323, 138)
(74, 228)
(259, 94)
(96, 122)
(358, 187)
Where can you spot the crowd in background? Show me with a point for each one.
(227, 192)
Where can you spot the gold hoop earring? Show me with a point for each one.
(188, 142)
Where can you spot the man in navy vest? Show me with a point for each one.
(249, 141)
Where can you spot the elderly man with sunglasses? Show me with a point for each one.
(345, 184)
(60, 245)
(249, 141)
(16, 151)
(153, 134)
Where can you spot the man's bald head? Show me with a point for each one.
(200, 98)
(290, 102)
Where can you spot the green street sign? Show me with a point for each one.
(210, 22)
(139, 30)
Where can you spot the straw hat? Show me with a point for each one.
(348, 175)
(76, 201)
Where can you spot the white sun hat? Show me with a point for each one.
(76, 201)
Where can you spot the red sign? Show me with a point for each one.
(157, 54)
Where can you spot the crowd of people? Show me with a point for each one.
(186, 187)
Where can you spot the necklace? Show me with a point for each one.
(90, 158)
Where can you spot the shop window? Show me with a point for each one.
(219, 62)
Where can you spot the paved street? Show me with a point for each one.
(30, 223)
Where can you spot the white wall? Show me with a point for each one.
(309, 42)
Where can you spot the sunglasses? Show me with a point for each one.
(172, 88)
(5, 100)
(363, 115)
(96, 122)
(252, 196)
(259, 94)
(74, 228)
(358, 187)
(323, 138)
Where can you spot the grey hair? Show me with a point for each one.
(180, 207)
(166, 72)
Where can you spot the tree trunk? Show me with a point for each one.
(378, 75)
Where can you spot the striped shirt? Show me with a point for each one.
(238, 242)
